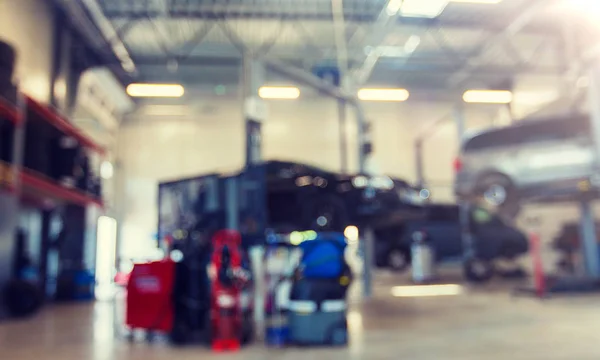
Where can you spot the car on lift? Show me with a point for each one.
(304, 197)
(493, 239)
(540, 159)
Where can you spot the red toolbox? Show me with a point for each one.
(149, 292)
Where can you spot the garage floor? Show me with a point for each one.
(483, 323)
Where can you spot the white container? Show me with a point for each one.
(423, 259)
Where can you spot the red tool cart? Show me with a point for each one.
(149, 297)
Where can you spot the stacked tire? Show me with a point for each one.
(7, 62)
(8, 93)
(8, 57)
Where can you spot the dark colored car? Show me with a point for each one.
(305, 197)
(493, 239)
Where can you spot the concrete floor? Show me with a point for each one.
(482, 323)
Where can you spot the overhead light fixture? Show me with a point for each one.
(488, 96)
(423, 8)
(477, 1)
(279, 92)
(155, 90)
(383, 94)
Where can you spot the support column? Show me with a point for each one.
(255, 111)
(419, 163)
(464, 204)
(363, 141)
(45, 250)
(590, 243)
(459, 118)
(251, 185)
(368, 249)
(589, 240)
(343, 142)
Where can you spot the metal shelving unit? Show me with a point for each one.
(20, 186)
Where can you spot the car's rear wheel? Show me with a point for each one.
(478, 270)
(499, 195)
(398, 260)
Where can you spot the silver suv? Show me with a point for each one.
(533, 159)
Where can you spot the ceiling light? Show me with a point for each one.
(155, 90)
(279, 92)
(488, 96)
(383, 94)
(477, 1)
(423, 8)
(427, 290)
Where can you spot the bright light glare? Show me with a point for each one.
(488, 96)
(393, 7)
(155, 90)
(412, 44)
(427, 290)
(383, 94)
(304, 181)
(423, 8)
(105, 250)
(477, 1)
(587, 8)
(360, 182)
(106, 170)
(279, 92)
(351, 233)
(296, 238)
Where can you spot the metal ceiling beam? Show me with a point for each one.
(380, 29)
(518, 24)
(465, 24)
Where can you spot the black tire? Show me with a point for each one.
(398, 259)
(479, 271)
(7, 60)
(500, 195)
(23, 298)
(326, 213)
(180, 334)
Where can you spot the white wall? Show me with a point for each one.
(27, 25)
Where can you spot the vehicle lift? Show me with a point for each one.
(588, 279)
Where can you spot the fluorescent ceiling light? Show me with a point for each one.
(423, 8)
(166, 110)
(427, 290)
(155, 90)
(477, 1)
(488, 96)
(383, 94)
(279, 92)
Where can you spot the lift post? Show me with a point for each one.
(589, 244)
(588, 227)
(465, 206)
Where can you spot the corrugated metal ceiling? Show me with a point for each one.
(302, 31)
